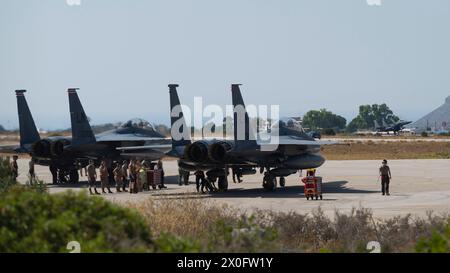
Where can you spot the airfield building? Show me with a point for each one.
(437, 120)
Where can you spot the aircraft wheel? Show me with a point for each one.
(269, 183)
(282, 181)
(223, 183)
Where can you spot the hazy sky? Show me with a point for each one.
(301, 55)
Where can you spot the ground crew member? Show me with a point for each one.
(109, 167)
(31, 171)
(132, 170)
(14, 168)
(385, 174)
(118, 177)
(200, 179)
(159, 166)
(183, 176)
(124, 175)
(104, 177)
(92, 176)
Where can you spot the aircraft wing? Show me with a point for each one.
(126, 137)
(159, 147)
(293, 141)
(151, 152)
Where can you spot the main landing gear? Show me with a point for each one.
(270, 181)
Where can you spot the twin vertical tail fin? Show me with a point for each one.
(28, 132)
(243, 132)
(180, 133)
(81, 129)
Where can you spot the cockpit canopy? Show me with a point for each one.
(137, 123)
(292, 124)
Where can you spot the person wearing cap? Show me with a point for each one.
(104, 177)
(385, 174)
(92, 176)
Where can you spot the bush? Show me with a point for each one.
(424, 134)
(31, 221)
(438, 242)
(5, 175)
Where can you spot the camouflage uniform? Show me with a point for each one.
(92, 176)
(118, 177)
(104, 178)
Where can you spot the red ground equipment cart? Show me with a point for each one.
(313, 187)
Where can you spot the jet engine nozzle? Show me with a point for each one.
(217, 152)
(57, 147)
(42, 148)
(197, 152)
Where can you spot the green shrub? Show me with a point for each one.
(438, 242)
(5, 175)
(31, 221)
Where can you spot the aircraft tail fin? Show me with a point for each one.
(180, 132)
(243, 132)
(81, 129)
(28, 131)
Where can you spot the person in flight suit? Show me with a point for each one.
(160, 167)
(92, 176)
(31, 171)
(385, 174)
(104, 177)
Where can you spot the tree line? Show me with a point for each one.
(368, 118)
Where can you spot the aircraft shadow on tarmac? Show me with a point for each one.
(287, 192)
(295, 191)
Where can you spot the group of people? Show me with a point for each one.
(133, 175)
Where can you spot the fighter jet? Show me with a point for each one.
(206, 154)
(395, 127)
(134, 139)
(44, 151)
(293, 151)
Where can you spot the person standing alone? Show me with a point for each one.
(385, 174)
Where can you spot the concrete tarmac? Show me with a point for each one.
(418, 186)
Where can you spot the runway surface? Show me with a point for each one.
(418, 186)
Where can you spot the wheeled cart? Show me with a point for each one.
(313, 187)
